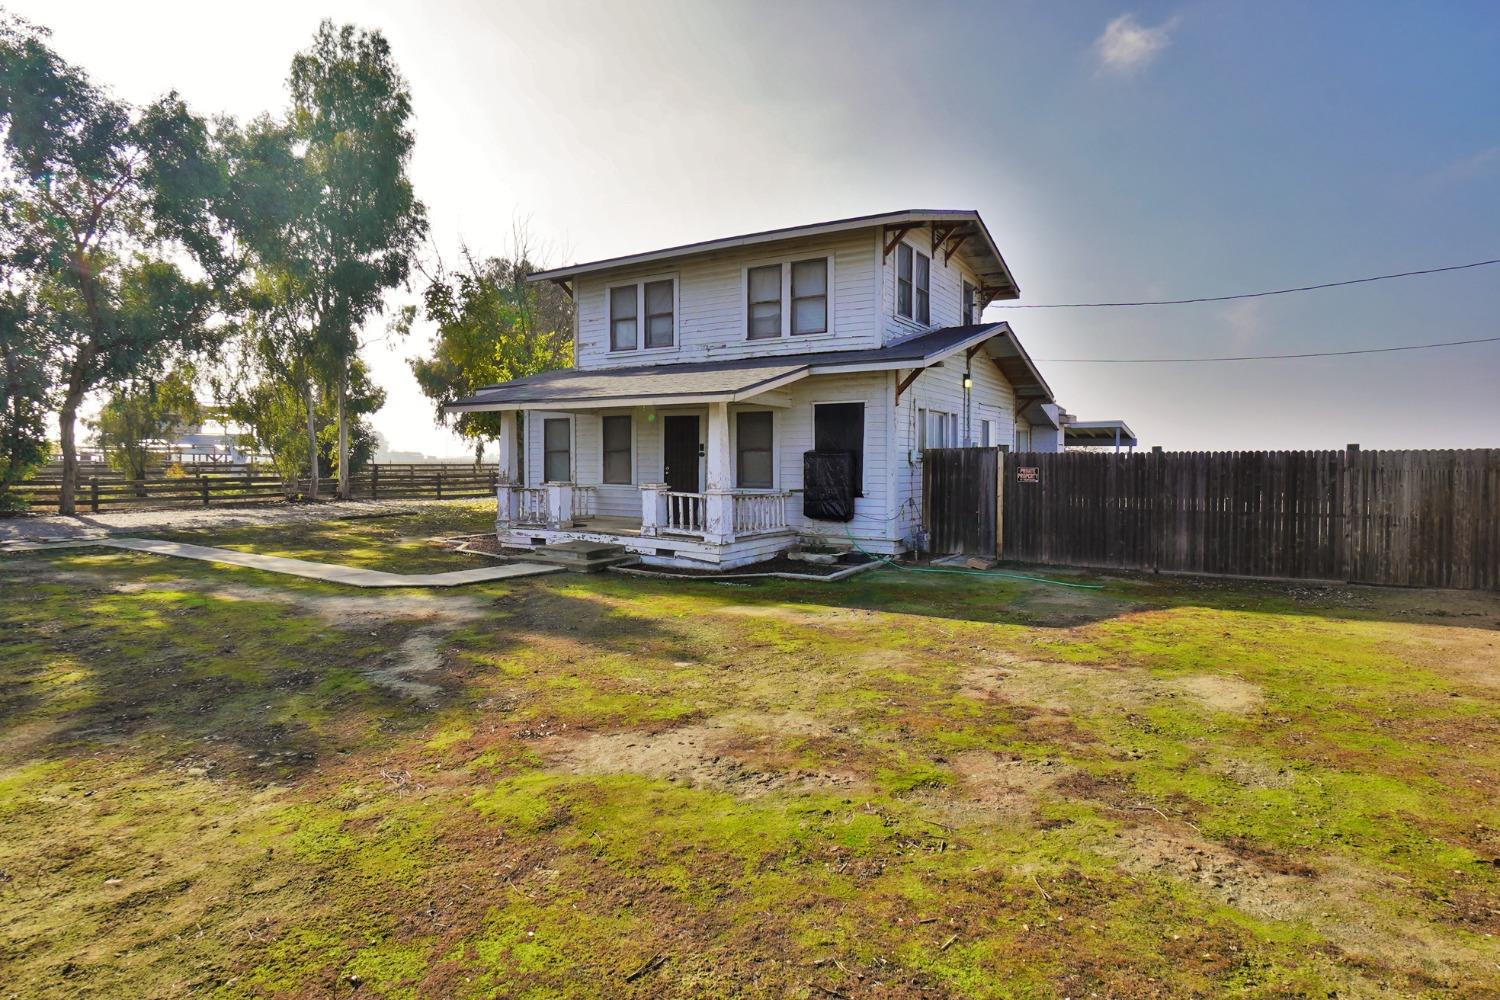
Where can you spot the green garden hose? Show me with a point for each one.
(888, 561)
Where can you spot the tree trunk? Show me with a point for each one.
(67, 417)
(312, 444)
(478, 454)
(343, 434)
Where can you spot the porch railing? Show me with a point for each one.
(755, 513)
(531, 504)
(585, 501)
(684, 513)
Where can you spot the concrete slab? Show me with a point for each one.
(351, 576)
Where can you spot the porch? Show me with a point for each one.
(722, 528)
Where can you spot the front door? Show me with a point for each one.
(680, 454)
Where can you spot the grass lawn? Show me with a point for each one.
(220, 782)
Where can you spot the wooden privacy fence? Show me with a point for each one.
(959, 500)
(1409, 518)
(225, 486)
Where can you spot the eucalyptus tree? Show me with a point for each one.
(491, 326)
(109, 205)
(350, 124)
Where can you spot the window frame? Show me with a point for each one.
(785, 262)
(640, 315)
(568, 451)
(781, 305)
(770, 450)
(827, 296)
(604, 449)
(910, 280)
(921, 292)
(968, 299)
(864, 427)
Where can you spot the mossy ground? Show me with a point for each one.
(214, 781)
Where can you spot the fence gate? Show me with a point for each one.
(961, 501)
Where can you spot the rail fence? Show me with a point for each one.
(102, 488)
(1407, 518)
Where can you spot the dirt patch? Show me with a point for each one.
(1005, 784)
(1067, 607)
(700, 756)
(421, 653)
(1062, 687)
(1222, 693)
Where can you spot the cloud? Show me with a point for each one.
(1127, 46)
(1484, 162)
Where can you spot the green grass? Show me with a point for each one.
(215, 781)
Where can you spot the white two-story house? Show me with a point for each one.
(705, 374)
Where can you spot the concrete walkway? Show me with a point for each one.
(351, 576)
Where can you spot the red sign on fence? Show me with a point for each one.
(1027, 474)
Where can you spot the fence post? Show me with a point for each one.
(374, 481)
(94, 494)
(440, 484)
(1351, 458)
(203, 488)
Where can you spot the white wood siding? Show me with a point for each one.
(711, 320)
(942, 389)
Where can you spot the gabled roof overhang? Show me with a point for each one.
(958, 227)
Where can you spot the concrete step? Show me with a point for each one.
(582, 556)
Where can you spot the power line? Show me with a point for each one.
(1249, 295)
(1264, 357)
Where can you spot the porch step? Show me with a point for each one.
(583, 557)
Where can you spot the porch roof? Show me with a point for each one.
(739, 379)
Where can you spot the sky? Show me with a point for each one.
(1116, 152)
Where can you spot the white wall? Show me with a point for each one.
(711, 304)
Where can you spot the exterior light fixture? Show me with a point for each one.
(968, 381)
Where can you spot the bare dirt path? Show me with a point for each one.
(137, 522)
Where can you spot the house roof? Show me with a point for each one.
(984, 254)
(738, 379)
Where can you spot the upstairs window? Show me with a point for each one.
(903, 280)
(923, 282)
(752, 432)
(841, 427)
(810, 296)
(616, 433)
(913, 284)
(967, 305)
(622, 313)
(659, 313)
(764, 285)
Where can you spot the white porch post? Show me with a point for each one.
(718, 498)
(559, 506)
(653, 508)
(509, 472)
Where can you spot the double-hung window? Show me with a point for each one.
(655, 302)
(752, 432)
(659, 313)
(556, 446)
(622, 314)
(913, 284)
(616, 434)
(967, 306)
(810, 296)
(764, 285)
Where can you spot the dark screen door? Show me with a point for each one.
(680, 454)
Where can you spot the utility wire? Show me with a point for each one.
(1264, 357)
(1248, 295)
